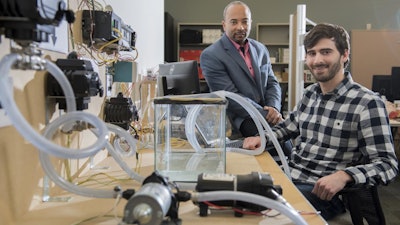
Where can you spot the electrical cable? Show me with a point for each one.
(241, 211)
(280, 206)
(94, 178)
(106, 214)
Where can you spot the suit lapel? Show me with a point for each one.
(233, 52)
(257, 73)
(254, 60)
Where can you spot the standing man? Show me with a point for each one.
(342, 129)
(241, 65)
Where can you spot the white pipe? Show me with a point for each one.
(132, 144)
(193, 114)
(90, 192)
(26, 130)
(69, 153)
(66, 185)
(281, 207)
(254, 114)
(258, 119)
(190, 128)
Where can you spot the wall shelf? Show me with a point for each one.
(275, 36)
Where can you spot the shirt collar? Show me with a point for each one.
(237, 46)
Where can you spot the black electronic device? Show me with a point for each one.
(155, 203)
(190, 36)
(34, 20)
(101, 28)
(120, 111)
(395, 83)
(255, 183)
(180, 78)
(382, 84)
(84, 80)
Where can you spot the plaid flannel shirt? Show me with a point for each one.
(347, 129)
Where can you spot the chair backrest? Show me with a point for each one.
(363, 203)
(284, 89)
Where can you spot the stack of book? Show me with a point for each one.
(283, 55)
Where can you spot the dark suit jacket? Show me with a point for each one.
(224, 69)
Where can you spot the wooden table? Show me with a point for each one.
(82, 208)
(243, 164)
(394, 123)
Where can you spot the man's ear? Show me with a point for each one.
(346, 55)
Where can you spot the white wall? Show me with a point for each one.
(146, 17)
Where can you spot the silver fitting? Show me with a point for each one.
(31, 57)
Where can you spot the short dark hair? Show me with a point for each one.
(325, 30)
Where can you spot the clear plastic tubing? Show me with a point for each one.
(258, 118)
(70, 187)
(90, 192)
(116, 155)
(25, 129)
(285, 209)
(70, 153)
(193, 114)
(190, 128)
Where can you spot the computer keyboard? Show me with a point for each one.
(239, 144)
(234, 144)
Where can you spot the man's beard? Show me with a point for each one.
(332, 71)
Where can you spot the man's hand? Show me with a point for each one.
(273, 116)
(252, 143)
(326, 187)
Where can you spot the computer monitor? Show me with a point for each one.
(395, 83)
(179, 78)
(382, 84)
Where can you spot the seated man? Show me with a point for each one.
(342, 130)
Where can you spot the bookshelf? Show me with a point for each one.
(276, 37)
(194, 37)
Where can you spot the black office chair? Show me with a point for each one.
(363, 203)
(284, 103)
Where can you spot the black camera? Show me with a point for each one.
(32, 20)
(84, 80)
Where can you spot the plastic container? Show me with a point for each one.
(189, 136)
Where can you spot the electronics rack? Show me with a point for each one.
(102, 27)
